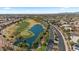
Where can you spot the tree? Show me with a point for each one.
(23, 45)
(35, 45)
(4, 36)
(72, 43)
(78, 41)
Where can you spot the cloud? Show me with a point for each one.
(67, 9)
(7, 8)
(64, 8)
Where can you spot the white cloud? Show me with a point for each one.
(64, 8)
(7, 8)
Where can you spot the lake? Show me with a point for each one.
(36, 29)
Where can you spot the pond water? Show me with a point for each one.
(36, 29)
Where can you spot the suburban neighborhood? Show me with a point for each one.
(39, 32)
(59, 32)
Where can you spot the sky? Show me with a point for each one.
(37, 10)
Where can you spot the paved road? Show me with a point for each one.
(61, 42)
(1, 41)
(51, 40)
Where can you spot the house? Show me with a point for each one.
(67, 26)
(74, 37)
(63, 22)
(76, 25)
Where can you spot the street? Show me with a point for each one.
(61, 42)
(51, 40)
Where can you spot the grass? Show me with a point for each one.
(42, 48)
(21, 26)
(25, 34)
